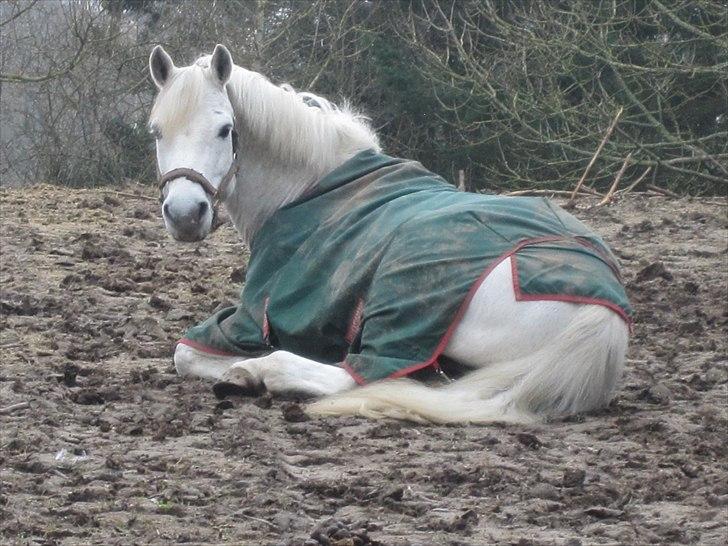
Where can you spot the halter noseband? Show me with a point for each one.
(216, 194)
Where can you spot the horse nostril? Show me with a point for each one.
(202, 210)
(165, 210)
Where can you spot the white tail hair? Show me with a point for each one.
(578, 372)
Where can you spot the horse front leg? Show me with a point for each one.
(282, 372)
(189, 361)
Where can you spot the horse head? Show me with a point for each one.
(193, 123)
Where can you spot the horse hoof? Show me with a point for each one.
(235, 382)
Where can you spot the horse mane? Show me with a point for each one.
(298, 128)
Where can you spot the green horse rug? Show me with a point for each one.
(374, 268)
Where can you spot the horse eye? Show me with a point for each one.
(156, 133)
(225, 131)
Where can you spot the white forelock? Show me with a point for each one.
(180, 97)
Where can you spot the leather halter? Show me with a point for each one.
(216, 194)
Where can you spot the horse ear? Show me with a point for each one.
(221, 64)
(160, 66)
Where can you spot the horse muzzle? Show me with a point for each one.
(192, 218)
(188, 219)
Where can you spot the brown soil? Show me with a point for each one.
(113, 448)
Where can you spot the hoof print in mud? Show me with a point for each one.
(89, 397)
(293, 413)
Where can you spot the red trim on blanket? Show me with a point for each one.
(204, 348)
(416, 367)
(266, 323)
(607, 259)
(399, 373)
(355, 376)
(355, 322)
(432, 361)
(520, 296)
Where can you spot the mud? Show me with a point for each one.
(108, 446)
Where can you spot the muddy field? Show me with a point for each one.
(100, 442)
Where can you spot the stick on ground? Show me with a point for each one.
(613, 188)
(14, 407)
(132, 195)
(633, 185)
(662, 191)
(544, 192)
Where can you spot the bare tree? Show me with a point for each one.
(537, 84)
(514, 93)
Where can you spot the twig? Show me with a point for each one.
(133, 195)
(461, 180)
(633, 185)
(261, 520)
(662, 191)
(613, 188)
(543, 192)
(720, 201)
(588, 189)
(570, 204)
(14, 407)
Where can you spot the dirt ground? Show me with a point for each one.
(109, 447)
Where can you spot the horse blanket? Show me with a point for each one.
(374, 268)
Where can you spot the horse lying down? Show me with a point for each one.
(366, 269)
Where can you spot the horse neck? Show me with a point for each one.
(286, 148)
(261, 188)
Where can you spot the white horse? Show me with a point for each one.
(530, 360)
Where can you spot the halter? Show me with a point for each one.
(216, 194)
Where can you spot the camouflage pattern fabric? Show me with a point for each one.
(373, 269)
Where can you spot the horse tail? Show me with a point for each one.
(579, 371)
